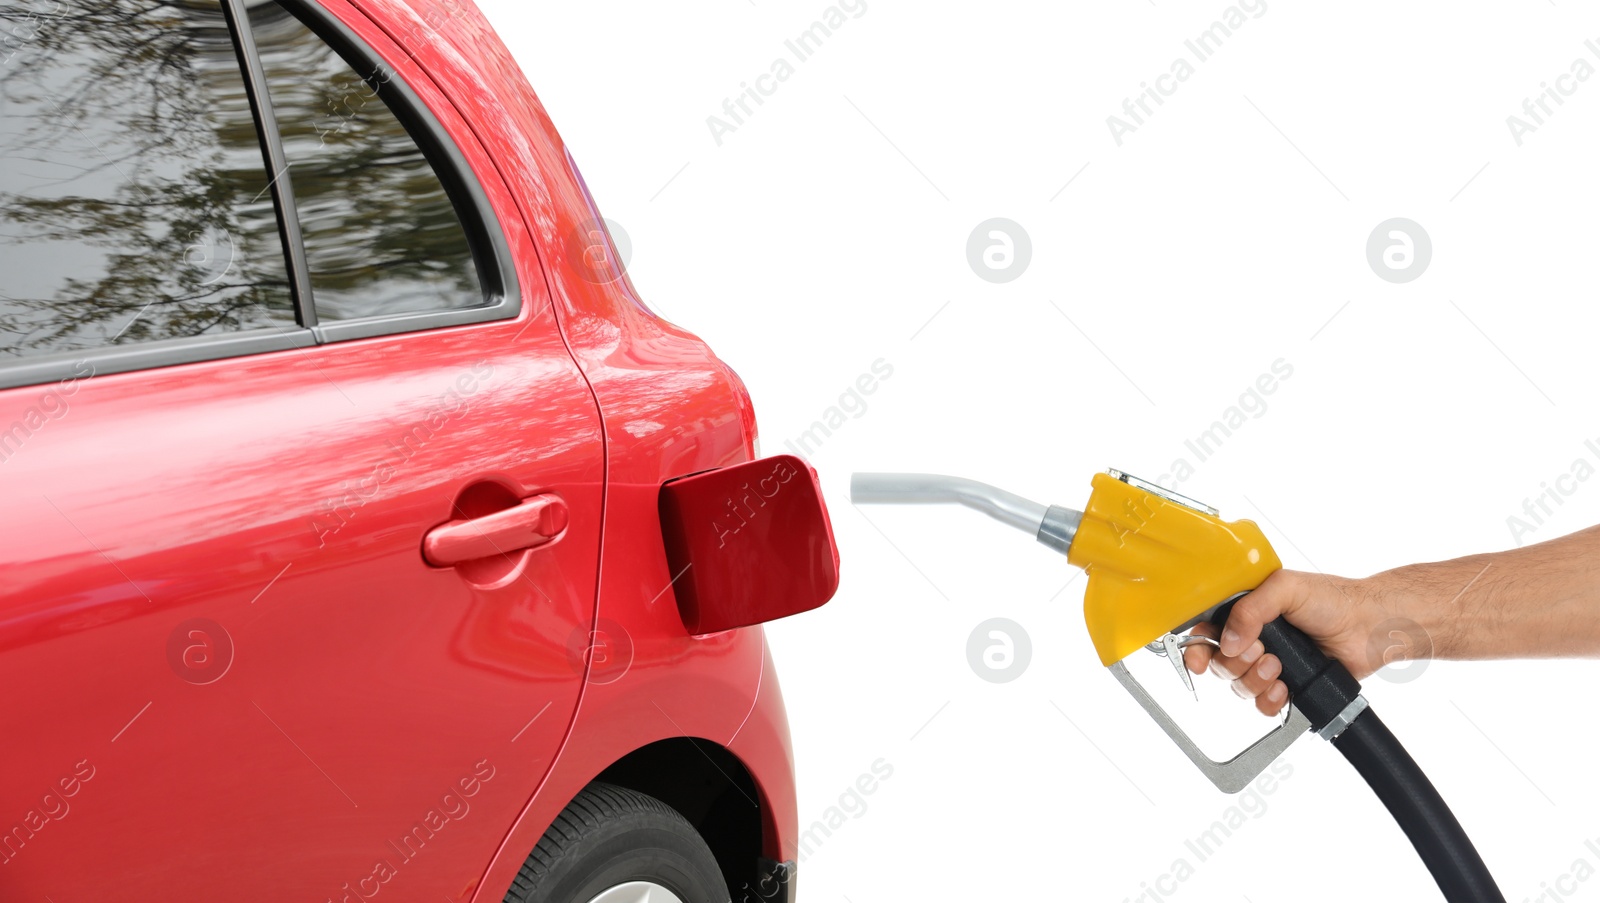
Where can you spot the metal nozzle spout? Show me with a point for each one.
(1052, 525)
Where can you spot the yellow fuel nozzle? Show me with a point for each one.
(1158, 562)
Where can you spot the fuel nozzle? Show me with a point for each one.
(1158, 563)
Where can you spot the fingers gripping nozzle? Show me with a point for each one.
(1320, 686)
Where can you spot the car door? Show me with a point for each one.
(303, 490)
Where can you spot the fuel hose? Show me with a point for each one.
(1331, 699)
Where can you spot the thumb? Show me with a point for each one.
(1276, 596)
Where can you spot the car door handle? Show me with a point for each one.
(535, 521)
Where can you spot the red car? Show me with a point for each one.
(347, 550)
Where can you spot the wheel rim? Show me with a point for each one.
(637, 892)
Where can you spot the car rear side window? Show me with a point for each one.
(134, 202)
(381, 231)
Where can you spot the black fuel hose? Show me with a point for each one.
(1419, 809)
(1328, 695)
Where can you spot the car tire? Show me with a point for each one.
(613, 845)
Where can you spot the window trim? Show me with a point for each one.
(491, 251)
(65, 365)
(272, 153)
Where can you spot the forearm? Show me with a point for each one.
(1534, 602)
(1540, 601)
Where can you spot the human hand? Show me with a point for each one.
(1340, 614)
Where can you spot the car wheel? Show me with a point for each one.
(612, 845)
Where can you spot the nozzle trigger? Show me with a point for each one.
(1172, 645)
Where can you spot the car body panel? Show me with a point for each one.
(362, 684)
(266, 513)
(315, 719)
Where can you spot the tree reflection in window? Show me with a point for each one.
(381, 234)
(133, 196)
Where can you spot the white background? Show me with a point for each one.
(1229, 231)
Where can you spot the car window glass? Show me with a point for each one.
(133, 193)
(381, 233)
